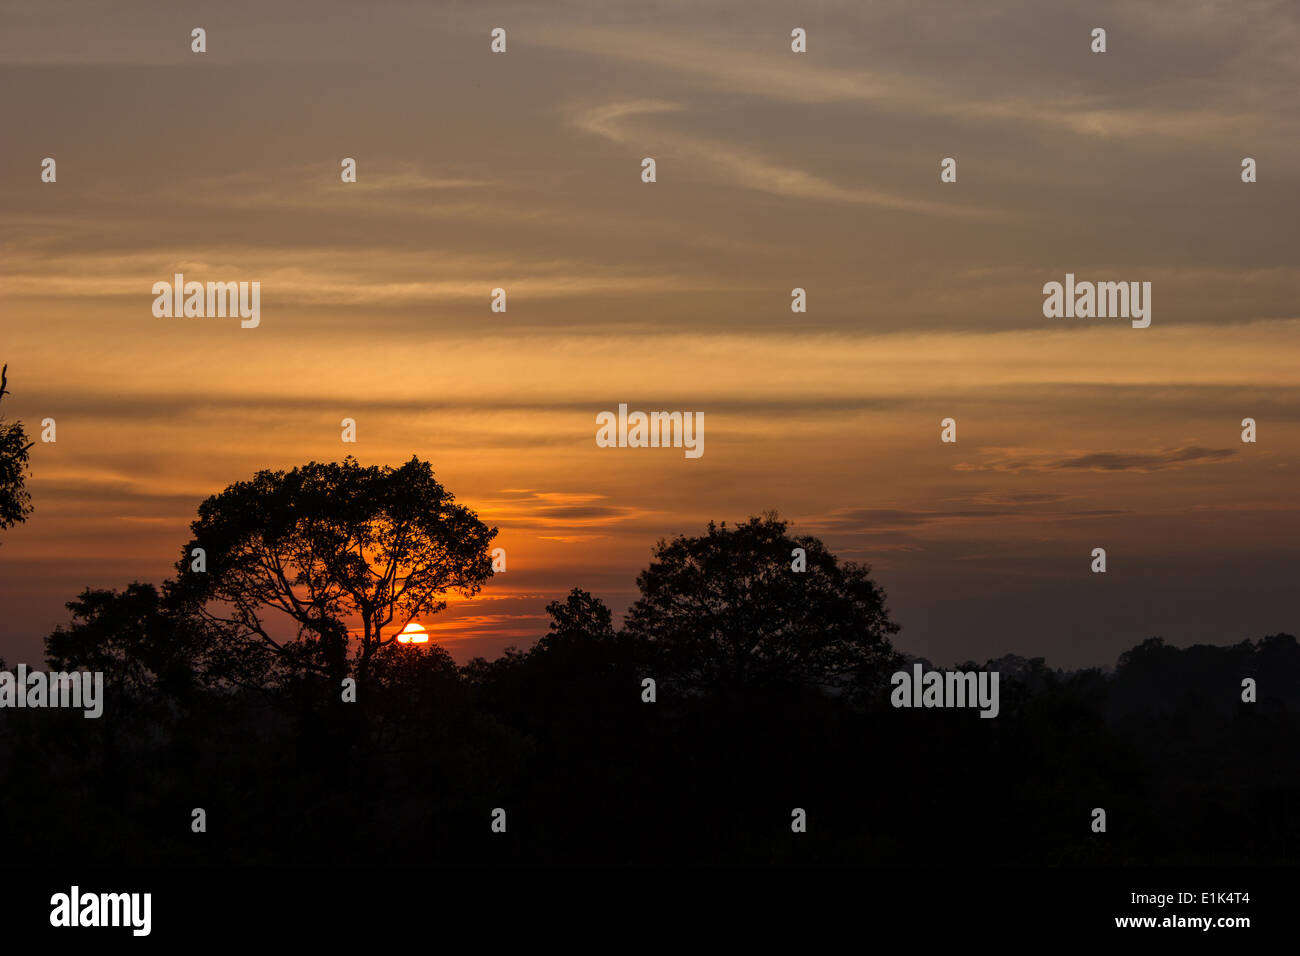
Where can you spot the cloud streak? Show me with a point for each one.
(1029, 460)
(733, 165)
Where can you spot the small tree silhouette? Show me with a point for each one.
(325, 543)
(579, 619)
(15, 502)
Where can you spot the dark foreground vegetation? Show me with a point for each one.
(770, 660)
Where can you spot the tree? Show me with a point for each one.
(727, 609)
(15, 502)
(130, 638)
(151, 645)
(412, 685)
(578, 685)
(579, 620)
(326, 544)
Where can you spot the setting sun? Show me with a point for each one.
(413, 633)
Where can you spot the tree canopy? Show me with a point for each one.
(324, 545)
(728, 608)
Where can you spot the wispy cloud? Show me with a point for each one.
(337, 277)
(555, 512)
(774, 74)
(877, 520)
(1030, 459)
(735, 165)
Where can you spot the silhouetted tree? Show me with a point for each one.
(154, 666)
(141, 650)
(325, 543)
(15, 502)
(152, 645)
(578, 619)
(727, 608)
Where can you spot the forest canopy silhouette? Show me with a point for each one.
(749, 677)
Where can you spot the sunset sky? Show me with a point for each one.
(775, 170)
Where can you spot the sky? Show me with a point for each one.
(775, 170)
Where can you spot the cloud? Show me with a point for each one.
(881, 520)
(336, 277)
(556, 512)
(877, 519)
(1013, 498)
(969, 92)
(1028, 459)
(738, 166)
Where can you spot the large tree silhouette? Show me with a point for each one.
(15, 502)
(326, 544)
(728, 609)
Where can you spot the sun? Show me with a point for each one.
(413, 633)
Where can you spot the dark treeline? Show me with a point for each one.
(770, 659)
(587, 771)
